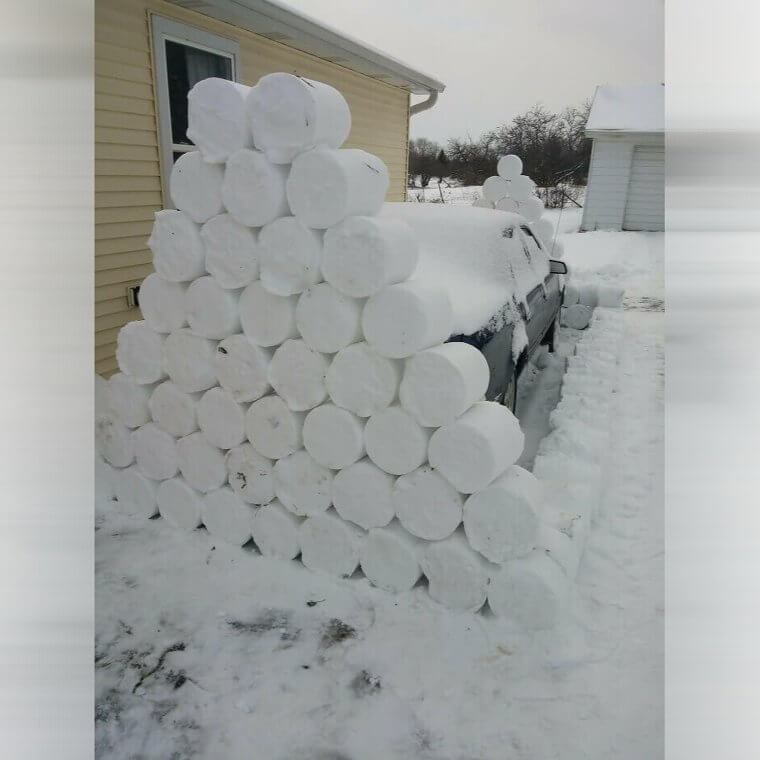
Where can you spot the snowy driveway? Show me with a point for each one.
(204, 650)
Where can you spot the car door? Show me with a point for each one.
(540, 314)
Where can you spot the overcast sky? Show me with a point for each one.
(499, 57)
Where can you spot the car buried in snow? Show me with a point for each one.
(506, 290)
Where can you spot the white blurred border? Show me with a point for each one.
(46, 319)
(712, 257)
(713, 379)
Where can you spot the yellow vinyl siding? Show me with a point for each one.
(127, 158)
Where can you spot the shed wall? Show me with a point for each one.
(607, 184)
(626, 183)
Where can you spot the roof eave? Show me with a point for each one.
(282, 24)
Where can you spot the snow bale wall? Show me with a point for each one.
(258, 431)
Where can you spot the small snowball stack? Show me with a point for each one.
(510, 190)
(293, 383)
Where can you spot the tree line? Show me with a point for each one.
(553, 148)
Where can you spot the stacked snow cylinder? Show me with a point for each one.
(291, 381)
(510, 190)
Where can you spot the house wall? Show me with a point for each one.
(609, 179)
(127, 162)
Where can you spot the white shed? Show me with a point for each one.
(626, 182)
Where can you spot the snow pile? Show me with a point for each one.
(569, 464)
(329, 420)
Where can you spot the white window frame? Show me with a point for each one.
(163, 29)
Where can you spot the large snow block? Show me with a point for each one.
(333, 436)
(201, 463)
(297, 373)
(177, 246)
(289, 114)
(273, 429)
(363, 494)
(162, 303)
(268, 320)
(502, 521)
(227, 516)
(330, 545)
(302, 484)
(155, 452)
(189, 361)
(196, 186)
(326, 186)
(232, 257)
(390, 558)
(290, 254)
(128, 399)
(531, 590)
(216, 118)
(173, 409)
(457, 576)
(406, 318)
(475, 449)
(253, 190)
(395, 441)
(212, 311)
(221, 418)
(276, 531)
(427, 505)
(328, 320)
(250, 475)
(361, 380)
(114, 441)
(363, 254)
(179, 503)
(139, 353)
(442, 382)
(135, 493)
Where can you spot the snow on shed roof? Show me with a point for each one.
(628, 108)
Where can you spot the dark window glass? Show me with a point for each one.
(185, 66)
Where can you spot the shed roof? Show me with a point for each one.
(627, 108)
(281, 23)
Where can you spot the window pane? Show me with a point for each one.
(185, 66)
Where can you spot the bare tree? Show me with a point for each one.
(423, 160)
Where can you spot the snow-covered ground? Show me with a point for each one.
(204, 650)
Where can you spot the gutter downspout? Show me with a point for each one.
(424, 105)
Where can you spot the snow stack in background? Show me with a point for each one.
(327, 419)
(510, 190)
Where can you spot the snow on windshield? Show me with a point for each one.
(478, 256)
